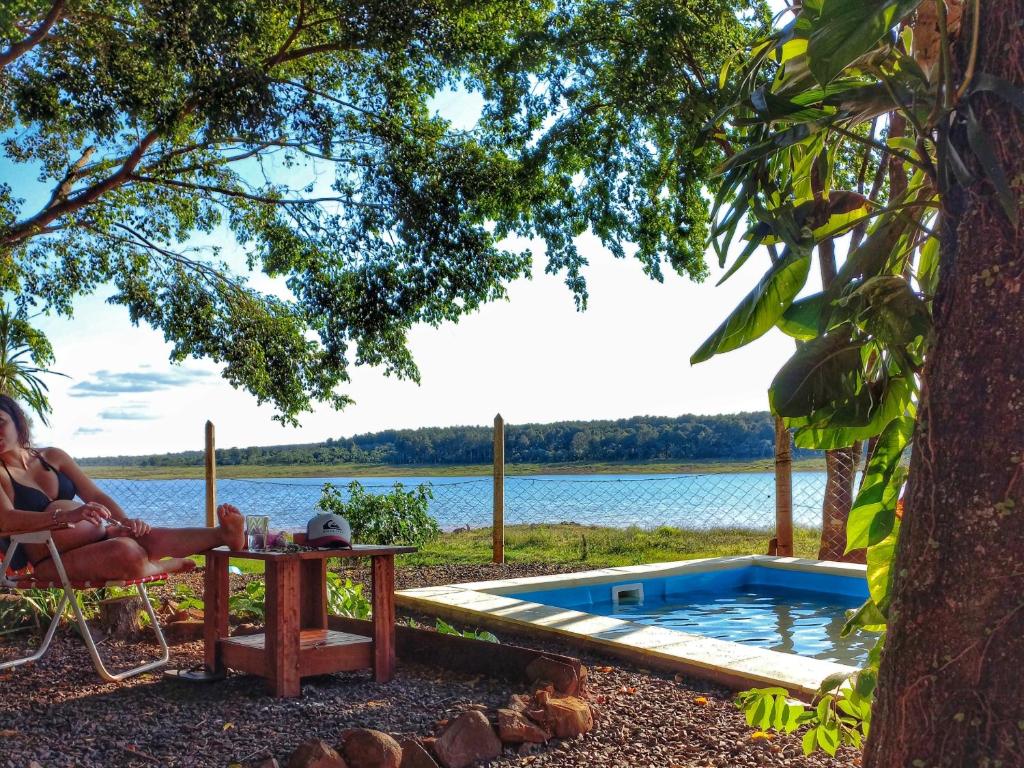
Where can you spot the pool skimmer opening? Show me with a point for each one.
(627, 594)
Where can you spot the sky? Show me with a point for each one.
(533, 358)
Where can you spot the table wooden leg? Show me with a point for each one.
(282, 633)
(313, 589)
(383, 617)
(215, 610)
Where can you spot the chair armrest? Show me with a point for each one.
(46, 528)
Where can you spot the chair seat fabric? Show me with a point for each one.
(33, 583)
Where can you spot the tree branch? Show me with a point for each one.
(34, 37)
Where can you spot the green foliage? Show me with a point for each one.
(33, 609)
(737, 436)
(307, 133)
(447, 629)
(25, 354)
(398, 517)
(248, 605)
(345, 598)
(809, 163)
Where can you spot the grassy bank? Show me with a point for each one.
(591, 546)
(446, 470)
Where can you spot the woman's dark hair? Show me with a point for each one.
(12, 409)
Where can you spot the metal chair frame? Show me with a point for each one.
(69, 596)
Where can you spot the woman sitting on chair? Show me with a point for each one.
(39, 488)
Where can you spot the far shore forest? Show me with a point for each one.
(639, 445)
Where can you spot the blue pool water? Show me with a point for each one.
(782, 610)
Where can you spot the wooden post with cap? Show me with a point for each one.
(498, 529)
(211, 476)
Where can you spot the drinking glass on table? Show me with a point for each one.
(256, 529)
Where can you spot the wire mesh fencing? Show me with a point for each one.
(719, 500)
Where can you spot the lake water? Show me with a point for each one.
(704, 501)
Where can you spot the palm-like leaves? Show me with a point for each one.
(24, 356)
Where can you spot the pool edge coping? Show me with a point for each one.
(735, 665)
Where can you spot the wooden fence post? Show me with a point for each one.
(211, 476)
(498, 529)
(783, 491)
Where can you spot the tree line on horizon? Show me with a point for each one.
(738, 436)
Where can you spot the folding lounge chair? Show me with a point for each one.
(22, 580)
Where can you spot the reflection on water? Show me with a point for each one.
(787, 620)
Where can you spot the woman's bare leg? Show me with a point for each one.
(107, 560)
(182, 542)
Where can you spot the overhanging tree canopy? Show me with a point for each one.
(152, 124)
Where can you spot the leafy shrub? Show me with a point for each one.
(34, 608)
(398, 517)
(249, 605)
(345, 598)
(447, 629)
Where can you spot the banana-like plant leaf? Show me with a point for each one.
(761, 308)
(823, 372)
(867, 618)
(1004, 89)
(801, 319)
(828, 430)
(928, 266)
(880, 559)
(982, 149)
(873, 514)
(847, 29)
(868, 260)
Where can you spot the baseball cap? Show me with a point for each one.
(328, 530)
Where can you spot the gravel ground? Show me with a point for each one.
(58, 712)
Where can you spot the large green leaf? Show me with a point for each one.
(847, 29)
(829, 430)
(994, 171)
(822, 373)
(801, 319)
(761, 308)
(867, 260)
(880, 559)
(874, 511)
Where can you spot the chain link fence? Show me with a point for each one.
(718, 500)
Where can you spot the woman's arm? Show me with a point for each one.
(88, 491)
(12, 519)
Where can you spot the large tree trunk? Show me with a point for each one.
(950, 688)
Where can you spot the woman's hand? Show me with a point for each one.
(90, 512)
(137, 527)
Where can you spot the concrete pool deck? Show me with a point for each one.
(490, 604)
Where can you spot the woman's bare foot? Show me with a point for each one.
(232, 526)
(176, 565)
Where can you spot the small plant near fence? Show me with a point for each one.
(397, 517)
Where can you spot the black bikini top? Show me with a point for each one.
(32, 499)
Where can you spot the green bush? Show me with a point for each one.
(398, 517)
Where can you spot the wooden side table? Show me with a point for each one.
(297, 642)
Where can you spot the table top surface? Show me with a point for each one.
(357, 550)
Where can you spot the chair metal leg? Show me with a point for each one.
(95, 654)
(45, 645)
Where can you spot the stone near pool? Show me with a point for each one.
(315, 753)
(467, 739)
(514, 728)
(415, 756)
(367, 748)
(569, 716)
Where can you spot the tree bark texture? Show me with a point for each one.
(840, 472)
(952, 675)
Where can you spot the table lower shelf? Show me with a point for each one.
(321, 651)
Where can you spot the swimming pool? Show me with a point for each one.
(742, 621)
(789, 611)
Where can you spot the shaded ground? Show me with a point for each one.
(58, 713)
